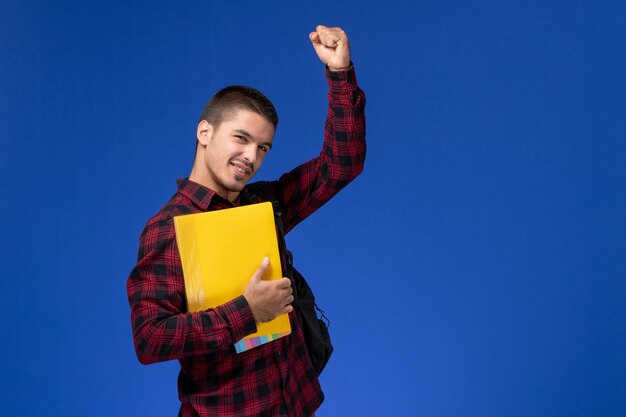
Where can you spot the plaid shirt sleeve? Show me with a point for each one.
(307, 187)
(162, 327)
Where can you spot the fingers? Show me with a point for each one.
(284, 288)
(329, 37)
(268, 298)
(332, 47)
(283, 296)
(283, 283)
(315, 38)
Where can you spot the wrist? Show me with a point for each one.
(339, 69)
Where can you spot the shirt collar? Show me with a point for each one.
(202, 196)
(199, 195)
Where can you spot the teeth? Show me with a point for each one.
(243, 171)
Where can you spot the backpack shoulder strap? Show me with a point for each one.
(266, 190)
(315, 329)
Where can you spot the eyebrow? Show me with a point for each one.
(248, 135)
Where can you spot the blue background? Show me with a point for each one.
(476, 268)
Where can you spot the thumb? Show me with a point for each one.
(258, 275)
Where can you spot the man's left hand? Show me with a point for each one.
(332, 47)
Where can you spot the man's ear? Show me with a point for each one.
(204, 132)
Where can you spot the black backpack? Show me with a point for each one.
(315, 329)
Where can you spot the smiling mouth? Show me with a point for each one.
(242, 170)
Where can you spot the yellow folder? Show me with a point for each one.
(220, 250)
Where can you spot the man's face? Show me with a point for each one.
(235, 150)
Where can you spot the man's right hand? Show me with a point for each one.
(268, 299)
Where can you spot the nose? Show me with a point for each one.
(250, 152)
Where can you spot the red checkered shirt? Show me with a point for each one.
(275, 379)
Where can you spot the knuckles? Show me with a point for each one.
(332, 33)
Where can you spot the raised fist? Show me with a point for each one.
(332, 47)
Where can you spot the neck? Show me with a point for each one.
(200, 175)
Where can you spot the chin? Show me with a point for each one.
(237, 186)
(239, 183)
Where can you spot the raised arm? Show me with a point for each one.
(310, 185)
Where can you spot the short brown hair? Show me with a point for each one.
(238, 97)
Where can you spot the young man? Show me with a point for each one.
(234, 135)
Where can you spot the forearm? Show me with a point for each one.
(343, 156)
(308, 187)
(162, 327)
(186, 334)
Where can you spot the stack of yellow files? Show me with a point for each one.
(219, 251)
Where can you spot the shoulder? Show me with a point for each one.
(160, 228)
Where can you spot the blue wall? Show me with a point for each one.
(479, 261)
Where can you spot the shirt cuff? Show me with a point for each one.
(337, 79)
(238, 315)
